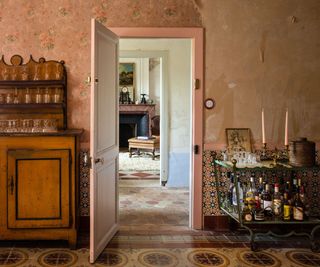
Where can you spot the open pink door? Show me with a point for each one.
(104, 143)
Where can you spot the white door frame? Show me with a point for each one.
(164, 143)
(197, 37)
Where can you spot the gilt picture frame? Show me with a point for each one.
(238, 139)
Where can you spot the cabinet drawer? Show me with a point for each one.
(38, 189)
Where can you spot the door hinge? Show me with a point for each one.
(87, 160)
(196, 84)
(196, 149)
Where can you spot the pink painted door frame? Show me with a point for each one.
(196, 35)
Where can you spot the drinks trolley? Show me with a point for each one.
(265, 227)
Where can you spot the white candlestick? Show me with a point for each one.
(286, 130)
(263, 129)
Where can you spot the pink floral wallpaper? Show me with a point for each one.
(60, 30)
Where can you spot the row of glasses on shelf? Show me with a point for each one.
(28, 96)
(28, 125)
(242, 157)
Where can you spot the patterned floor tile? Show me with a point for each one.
(255, 259)
(57, 258)
(202, 257)
(12, 257)
(152, 258)
(303, 258)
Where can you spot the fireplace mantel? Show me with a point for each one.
(134, 109)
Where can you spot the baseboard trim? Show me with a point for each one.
(216, 223)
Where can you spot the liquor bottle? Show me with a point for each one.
(258, 212)
(303, 197)
(235, 198)
(246, 213)
(267, 201)
(301, 191)
(286, 208)
(277, 202)
(230, 191)
(287, 190)
(260, 188)
(298, 208)
(250, 194)
(294, 189)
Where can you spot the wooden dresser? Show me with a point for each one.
(39, 155)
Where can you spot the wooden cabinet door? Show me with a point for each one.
(38, 188)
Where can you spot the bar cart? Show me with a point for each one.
(265, 227)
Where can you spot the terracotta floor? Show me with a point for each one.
(159, 236)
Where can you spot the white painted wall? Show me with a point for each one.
(154, 82)
(179, 119)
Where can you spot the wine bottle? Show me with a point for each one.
(298, 208)
(267, 201)
(277, 202)
(286, 208)
(250, 194)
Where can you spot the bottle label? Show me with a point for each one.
(277, 206)
(286, 212)
(298, 213)
(248, 217)
(267, 205)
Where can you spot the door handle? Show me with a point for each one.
(97, 160)
(11, 185)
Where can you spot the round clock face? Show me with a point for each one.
(124, 89)
(209, 103)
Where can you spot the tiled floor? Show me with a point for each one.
(154, 232)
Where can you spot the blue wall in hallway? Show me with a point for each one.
(179, 169)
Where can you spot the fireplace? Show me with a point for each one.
(135, 120)
(131, 126)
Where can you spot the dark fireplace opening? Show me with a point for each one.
(127, 131)
(132, 126)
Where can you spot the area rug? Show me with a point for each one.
(143, 162)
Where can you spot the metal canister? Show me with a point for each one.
(302, 153)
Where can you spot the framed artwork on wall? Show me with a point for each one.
(126, 74)
(238, 139)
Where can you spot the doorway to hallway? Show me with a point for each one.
(143, 202)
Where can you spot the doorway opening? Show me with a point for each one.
(162, 75)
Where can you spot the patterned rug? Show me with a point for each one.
(143, 162)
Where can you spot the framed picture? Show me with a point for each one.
(238, 139)
(126, 74)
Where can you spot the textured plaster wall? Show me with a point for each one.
(262, 54)
(257, 54)
(60, 30)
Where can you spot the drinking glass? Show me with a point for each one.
(3, 126)
(37, 126)
(9, 98)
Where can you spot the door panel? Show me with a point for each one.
(38, 188)
(104, 147)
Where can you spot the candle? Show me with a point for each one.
(286, 130)
(263, 130)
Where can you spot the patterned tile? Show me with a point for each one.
(133, 256)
